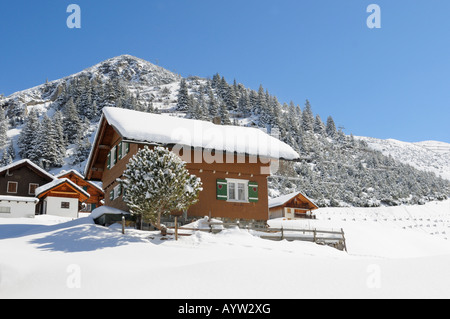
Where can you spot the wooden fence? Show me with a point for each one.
(331, 238)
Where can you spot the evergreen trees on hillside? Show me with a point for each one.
(336, 169)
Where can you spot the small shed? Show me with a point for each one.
(106, 215)
(62, 197)
(292, 206)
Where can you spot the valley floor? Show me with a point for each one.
(399, 252)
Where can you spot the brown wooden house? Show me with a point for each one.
(292, 206)
(233, 162)
(96, 192)
(18, 183)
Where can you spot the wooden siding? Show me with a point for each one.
(24, 176)
(209, 174)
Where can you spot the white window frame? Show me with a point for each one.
(29, 188)
(236, 183)
(116, 191)
(114, 158)
(17, 187)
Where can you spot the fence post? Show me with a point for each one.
(343, 238)
(282, 233)
(315, 235)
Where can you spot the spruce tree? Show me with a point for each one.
(183, 96)
(156, 183)
(307, 118)
(27, 138)
(3, 129)
(331, 127)
(71, 122)
(319, 127)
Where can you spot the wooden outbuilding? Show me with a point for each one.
(292, 206)
(95, 192)
(62, 197)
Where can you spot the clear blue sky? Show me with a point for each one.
(392, 82)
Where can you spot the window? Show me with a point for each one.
(5, 210)
(115, 192)
(12, 187)
(65, 205)
(237, 190)
(117, 153)
(32, 188)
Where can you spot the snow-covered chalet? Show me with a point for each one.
(233, 162)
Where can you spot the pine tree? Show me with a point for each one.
(183, 96)
(26, 141)
(48, 152)
(3, 129)
(319, 127)
(224, 115)
(331, 127)
(307, 118)
(83, 148)
(71, 122)
(156, 182)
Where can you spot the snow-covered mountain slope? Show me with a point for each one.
(335, 169)
(430, 156)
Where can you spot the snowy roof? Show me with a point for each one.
(58, 182)
(27, 161)
(275, 202)
(74, 171)
(151, 128)
(19, 199)
(102, 210)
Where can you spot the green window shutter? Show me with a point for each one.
(111, 195)
(119, 150)
(253, 192)
(222, 191)
(120, 190)
(109, 160)
(127, 148)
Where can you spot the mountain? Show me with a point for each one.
(429, 156)
(53, 124)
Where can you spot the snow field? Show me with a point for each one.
(52, 257)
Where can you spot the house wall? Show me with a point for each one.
(53, 206)
(23, 176)
(18, 209)
(209, 174)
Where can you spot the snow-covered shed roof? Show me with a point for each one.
(279, 201)
(57, 182)
(152, 128)
(106, 210)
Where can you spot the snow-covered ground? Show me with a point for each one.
(52, 257)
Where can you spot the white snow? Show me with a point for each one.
(430, 156)
(54, 257)
(156, 128)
